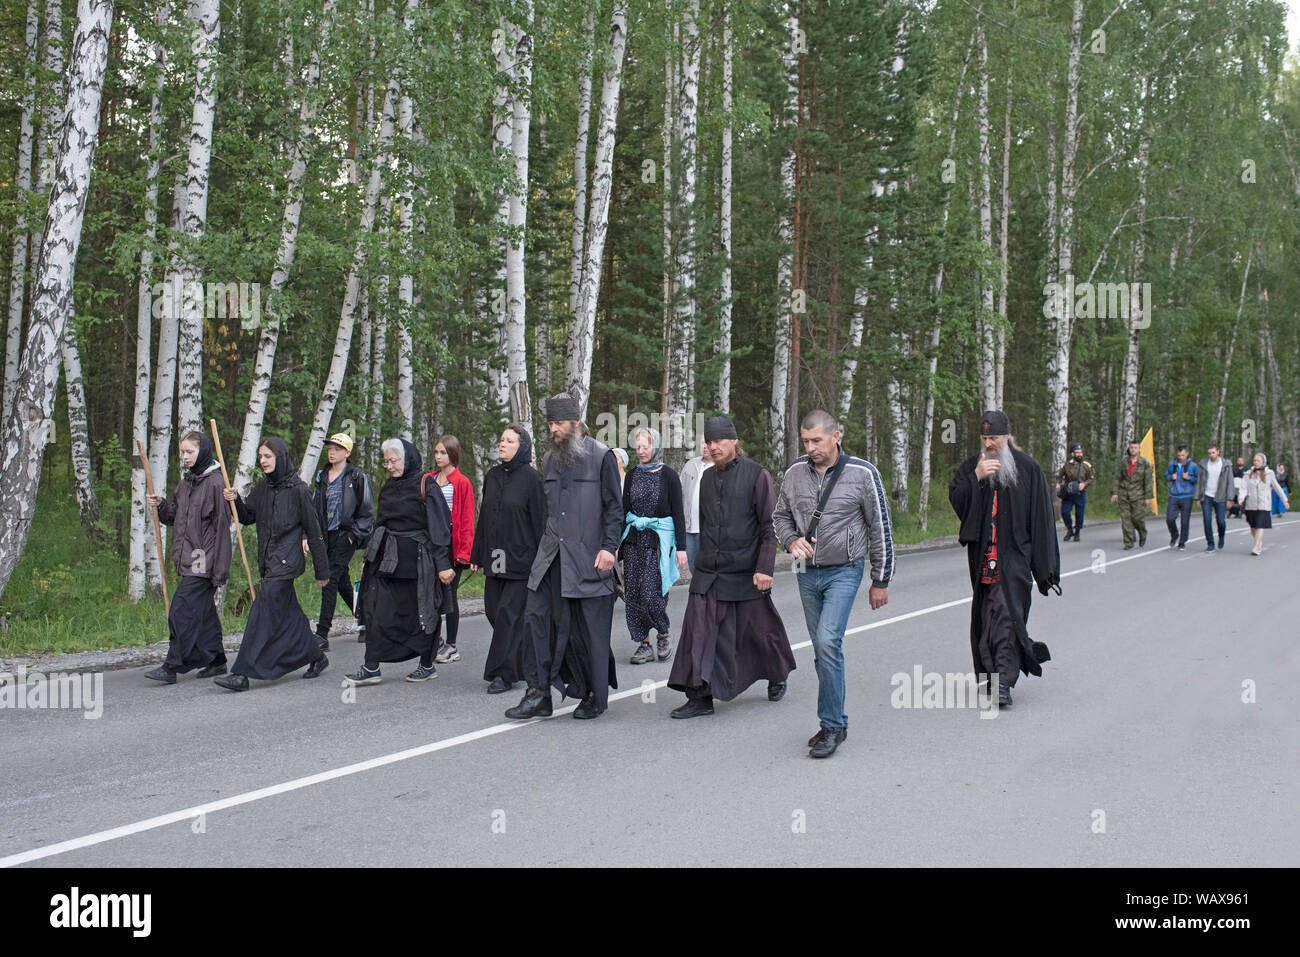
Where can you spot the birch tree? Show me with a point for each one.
(582, 329)
(778, 424)
(269, 330)
(27, 427)
(722, 346)
(516, 340)
(23, 186)
(183, 271)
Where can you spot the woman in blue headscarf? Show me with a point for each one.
(511, 521)
(654, 545)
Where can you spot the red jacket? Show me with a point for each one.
(462, 515)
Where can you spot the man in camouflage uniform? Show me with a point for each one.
(1074, 470)
(1135, 492)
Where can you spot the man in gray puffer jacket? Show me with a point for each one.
(830, 547)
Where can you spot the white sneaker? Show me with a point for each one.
(1256, 550)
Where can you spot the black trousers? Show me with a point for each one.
(570, 640)
(340, 583)
(999, 642)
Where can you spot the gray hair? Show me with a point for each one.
(394, 445)
(819, 419)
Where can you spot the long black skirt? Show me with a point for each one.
(391, 612)
(195, 627)
(503, 601)
(278, 638)
(729, 645)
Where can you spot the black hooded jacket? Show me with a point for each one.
(512, 518)
(281, 507)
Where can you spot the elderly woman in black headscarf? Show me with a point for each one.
(511, 521)
(408, 566)
(278, 638)
(201, 551)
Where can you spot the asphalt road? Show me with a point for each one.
(1135, 747)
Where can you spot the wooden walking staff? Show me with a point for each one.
(157, 529)
(225, 477)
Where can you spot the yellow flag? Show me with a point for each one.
(1148, 452)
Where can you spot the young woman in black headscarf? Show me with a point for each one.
(407, 570)
(278, 638)
(511, 521)
(201, 551)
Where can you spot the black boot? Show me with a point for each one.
(536, 704)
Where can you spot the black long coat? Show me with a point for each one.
(1027, 545)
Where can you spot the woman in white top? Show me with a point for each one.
(1256, 498)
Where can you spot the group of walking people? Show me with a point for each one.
(1219, 487)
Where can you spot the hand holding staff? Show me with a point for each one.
(225, 477)
(157, 529)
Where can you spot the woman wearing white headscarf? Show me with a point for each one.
(1256, 498)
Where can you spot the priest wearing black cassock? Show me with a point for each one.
(732, 635)
(570, 605)
(1008, 527)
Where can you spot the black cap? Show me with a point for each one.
(995, 422)
(719, 427)
(562, 408)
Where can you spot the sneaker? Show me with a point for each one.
(644, 654)
(446, 653)
(665, 648)
(1142, 540)
(423, 673)
(1173, 541)
(1256, 550)
(363, 676)
(1182, 546)
(825, 742)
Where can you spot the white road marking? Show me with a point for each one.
(248, 797)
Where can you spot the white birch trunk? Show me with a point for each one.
(679, 404)
(502, 136)
(1058, 363)
(1000, 338)
(27, 427)
(383, 303)
(1232, 342)
(577, 244)
(516, 339)
(898, 426)
(583, 328)
(141, 570)
(723, 345)
(205, 15)
(669, 198)
(927, 427)
(985, 359)
(347, 318)
(23, 188)
(406, 283)
(777, 407)
(1128, 404)
(269, 336)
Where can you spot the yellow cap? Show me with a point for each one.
(342, 441)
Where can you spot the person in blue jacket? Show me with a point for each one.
(1181, 477)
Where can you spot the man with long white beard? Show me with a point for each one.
(1009, 530)
(570, 605)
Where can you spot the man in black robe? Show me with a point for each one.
(1009, 530)
(570, 605)
(732, 635)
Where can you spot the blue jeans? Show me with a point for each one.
(1220, 512)
(1179, 510)
(692, 549)
(1078, 503)
(827, 595)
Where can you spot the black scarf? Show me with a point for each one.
(400, 505)
(283, 471)
(523, 456)
(203, 461)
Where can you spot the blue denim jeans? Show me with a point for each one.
(828, 595)
(1209, 507)
(692, 549)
